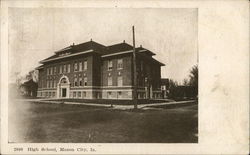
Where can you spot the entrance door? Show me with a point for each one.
(64, 92)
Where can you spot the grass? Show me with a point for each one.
(58, 123)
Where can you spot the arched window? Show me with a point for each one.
(63, 80)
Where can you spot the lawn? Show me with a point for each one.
(59, 123)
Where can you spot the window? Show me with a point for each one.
(85, 81)
(119, 81)
(54, 70)
(51, 70)
(68, 68)
(110, 65)
(79, 94)
(109, 81)
(80, 66)
(138, 81)
(139, 95)
(109, 95)
(60, 71)
(64, 69)
(144, 81)
(47, 84)
(47, 71)
(55, 83)
(85, 65)
(74, 94)
(51, 84)
(84, 94)
(63, 80)
(119, 64)
(98, 95)
(75, 67)
(119, 94)
(75, 82)
(80, 81)
(141, 65)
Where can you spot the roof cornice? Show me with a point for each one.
(144, 50)
(124, 52)
(119, 53)
(66, 56)
(39, 67)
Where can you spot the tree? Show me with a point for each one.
(28, 84)
(30, 88)
(185, 82)
(172, 84)
(193, 81)
(172, 88)
(17, 78)
(33, 74)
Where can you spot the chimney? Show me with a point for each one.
(140, 46)
(123, 41)
(90, 39)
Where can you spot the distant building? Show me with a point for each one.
(165, 87)
(29, 88)
(91, 70)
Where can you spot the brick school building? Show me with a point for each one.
(93, 71)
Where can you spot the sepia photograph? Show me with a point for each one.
(96, 75)
(124, 77)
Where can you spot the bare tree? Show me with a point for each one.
(185, 82)
(33, 74)
(17, 78)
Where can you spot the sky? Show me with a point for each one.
(36, 33)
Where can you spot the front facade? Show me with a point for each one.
(94, 71)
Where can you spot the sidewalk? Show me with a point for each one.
(63, 102)
(168, 103)
(121, 107)
(141, 106)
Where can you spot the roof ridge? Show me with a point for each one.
(119, 44)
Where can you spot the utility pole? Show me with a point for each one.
(134, 70)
